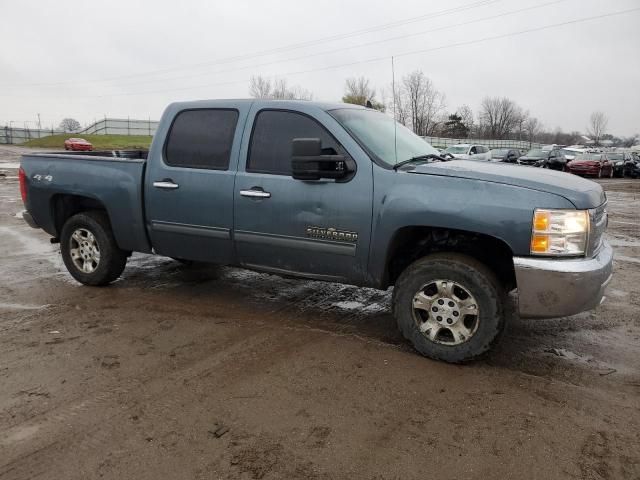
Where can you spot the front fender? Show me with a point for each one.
(498, 210)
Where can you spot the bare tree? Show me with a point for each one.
(69, 125)
(532, 127)
(466, 114)
(520, 122)
(597, 126)
(279, 89)
(359, 92)
(419, 104)
(499, 116)
(259, 87)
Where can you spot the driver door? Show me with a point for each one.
(317, 228)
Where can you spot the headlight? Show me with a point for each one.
(559, 232)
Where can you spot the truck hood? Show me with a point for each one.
(581, 192)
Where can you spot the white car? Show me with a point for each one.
(467, 151)
(571, 153)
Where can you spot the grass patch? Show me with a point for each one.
(100, 142)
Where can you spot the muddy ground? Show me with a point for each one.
(142, 379)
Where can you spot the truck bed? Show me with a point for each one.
(111, 180)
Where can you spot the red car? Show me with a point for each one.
(77, 144)
(592, 164)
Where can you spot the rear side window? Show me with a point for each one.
(273, 132)
(201, 139)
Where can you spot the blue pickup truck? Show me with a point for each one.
(339, 193)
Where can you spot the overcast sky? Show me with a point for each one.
(130, 58)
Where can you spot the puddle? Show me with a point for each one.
(19, 306)
(624, 258)
(13, 165)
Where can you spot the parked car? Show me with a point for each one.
(334, 192)
(508, 155)
(632, 168)
(591, 164)
(537, 157)
(79, 144)
(570, 153)
(618, 159)
(466, 151)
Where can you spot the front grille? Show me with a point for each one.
(599, 220)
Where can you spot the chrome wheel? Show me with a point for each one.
(445, 312)
(84, 250)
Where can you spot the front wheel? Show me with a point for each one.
(450, 307)
(89, 249)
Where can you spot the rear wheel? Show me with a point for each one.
(450, 307)
(89, 249)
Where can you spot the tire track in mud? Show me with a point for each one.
(87, 424)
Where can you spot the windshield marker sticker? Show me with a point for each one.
(332, 234)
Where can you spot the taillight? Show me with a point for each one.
(22, 178)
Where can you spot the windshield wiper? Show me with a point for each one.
(417, 158)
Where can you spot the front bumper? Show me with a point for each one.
(549, 288)
(584, 170)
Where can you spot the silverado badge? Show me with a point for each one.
(332, 234)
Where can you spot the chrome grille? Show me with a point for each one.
(599, 220)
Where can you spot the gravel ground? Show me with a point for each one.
(183, 372)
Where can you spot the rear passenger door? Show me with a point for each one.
(189, 183)
(320, 228)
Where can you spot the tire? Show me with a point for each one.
(457, 271)
(91, 229)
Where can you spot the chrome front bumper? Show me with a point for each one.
(549, 288)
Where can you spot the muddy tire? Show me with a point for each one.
(450, 307)
(89, 249)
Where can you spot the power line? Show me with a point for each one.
(337, 50)
(386, 57)
(281, 49)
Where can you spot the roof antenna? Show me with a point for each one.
(395, 121)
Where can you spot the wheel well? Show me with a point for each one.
(411, 243)
(64, 206)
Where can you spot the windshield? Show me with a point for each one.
(571, 153)
(457, 149)
(536, 152)
(378, 135)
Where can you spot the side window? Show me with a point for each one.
(273, 132)
(473, 150)
(201, 139)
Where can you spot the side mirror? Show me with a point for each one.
(471, 153)
(308, 162)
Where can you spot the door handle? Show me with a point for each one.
(167, 183)
(254, 193)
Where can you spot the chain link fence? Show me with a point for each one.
(441, 142)
(106, 126)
